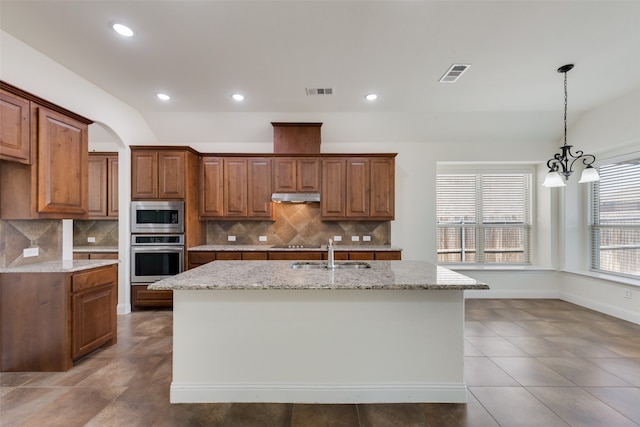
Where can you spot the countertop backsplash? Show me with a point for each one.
(17, 235)
(105, 232)
(297, 224)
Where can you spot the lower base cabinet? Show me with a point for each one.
(142, 298)
(49, 320)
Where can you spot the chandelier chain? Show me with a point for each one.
(565, 108)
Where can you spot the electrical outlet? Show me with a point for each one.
(91, 239)
(627, 293)
(29, 252)
(355, 238)
(263, 238)
(337, 238)
(366, 238)
(231, 238)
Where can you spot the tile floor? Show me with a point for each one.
(528, 363)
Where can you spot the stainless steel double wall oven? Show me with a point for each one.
(157, 240)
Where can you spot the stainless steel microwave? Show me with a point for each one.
(157, 217)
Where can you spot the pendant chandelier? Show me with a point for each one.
(561, 164)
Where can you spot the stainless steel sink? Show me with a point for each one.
(324, 264)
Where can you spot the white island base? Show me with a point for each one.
(318, 346)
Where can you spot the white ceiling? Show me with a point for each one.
(200, 52)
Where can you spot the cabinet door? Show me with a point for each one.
(15, 134)
(382, 188)
(259, 188)
(235, 187)
(144, 174)
(212, 190)
(113, 197)
(171, 173)
(357, 187)
(93, 303)
(98, 183)
(63, 155)
(284, 173)
(308, 175)
(333, 187)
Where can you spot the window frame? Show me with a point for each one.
(528, 229)
(594, 225)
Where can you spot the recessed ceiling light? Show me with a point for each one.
(163, 96)
(123, 30)
(371, 97)
(238, 97)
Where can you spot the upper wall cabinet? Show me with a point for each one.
(296, 175)
(53, 184)
(157, 174)
(15, 133)
(103, 185)
(358, 188)
(236, 188)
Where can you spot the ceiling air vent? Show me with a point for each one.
(319, 91)
(454, 73)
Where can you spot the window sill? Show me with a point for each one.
(470, 267)
(603, 276)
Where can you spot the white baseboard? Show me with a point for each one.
(602, 308)
(276, 393)
(123, 309)
(530, 294)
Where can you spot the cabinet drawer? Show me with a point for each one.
(92, 278)
(254, 256)
(294, 256)
(199, 258)
(388, 256)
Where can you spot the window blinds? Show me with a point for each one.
(614, 220)
(484, 218)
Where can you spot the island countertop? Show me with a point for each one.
(269, 248)
(266, 275)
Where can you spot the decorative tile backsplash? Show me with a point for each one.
(297, 224)
(105, 233)
(16, 235)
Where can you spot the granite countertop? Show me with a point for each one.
(84, 249)
(59, 266)
(323, 248)
(255, 275)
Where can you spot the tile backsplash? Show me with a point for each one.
(298, 224)
(17, 235)
(105, 232)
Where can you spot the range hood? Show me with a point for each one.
(295, 197)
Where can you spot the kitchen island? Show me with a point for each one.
(261, 331)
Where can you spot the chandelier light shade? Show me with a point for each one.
(561, 164)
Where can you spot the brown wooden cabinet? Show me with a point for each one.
(141, 297)
(15, 130)
(358, 188)
(198, 258)
(54, 184)
(212, 187)
(94, 297)
(157, 174)
(294, 255)
(236, 188)
(296, 175)
(95, 255)
(51, 319)
(103, 185)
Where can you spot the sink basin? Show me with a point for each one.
(324, 264)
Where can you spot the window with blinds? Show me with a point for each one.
(484, 218)
(614, 220)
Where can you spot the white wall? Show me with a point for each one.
(560, 212)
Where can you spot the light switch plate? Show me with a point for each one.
(231, 238)
(263, 238)
(29, 252)
(337, 238)
(91, 239)
(366, 238)
(355, 238)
